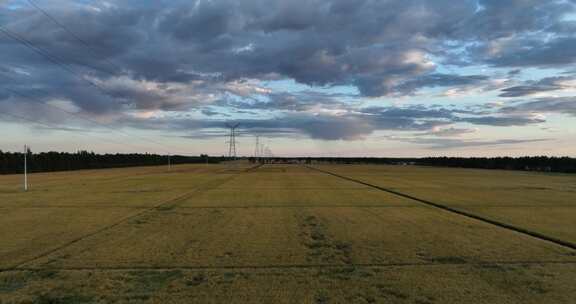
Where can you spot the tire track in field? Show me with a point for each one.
(213, 206)
(64, 179)
(486, 220)
(97, 206)
(211, 184)
(293, 266)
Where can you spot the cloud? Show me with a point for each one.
(537, 53)
(544, 85)
(210, 112)
(301, 101)
(379, 47)
(216, 59)
(442, 80)
(350, 125)
(495, 19)
(503, 121)
(449, 132)
(450, 143)
(559, 105)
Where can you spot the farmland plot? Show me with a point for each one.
(544, 203)
(294, 186)
(279, 233)
(61, 211)
(532, 284)
(135, 188)
(264, 237)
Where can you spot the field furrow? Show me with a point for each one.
(282, 234)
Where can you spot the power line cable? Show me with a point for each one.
(53, 107)
(56, 61)
(84, 117)
(27, 43)
(77, 38)
(73, 35)
(52, 126)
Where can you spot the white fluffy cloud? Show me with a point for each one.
(214, 57)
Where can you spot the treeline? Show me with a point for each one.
(537, 163)
(11, 163)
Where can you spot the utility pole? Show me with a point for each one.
(25, 168)
(169, 161)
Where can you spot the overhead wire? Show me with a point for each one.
(73, 35)
(53, 59)
(58, 109)
(56, 127)
(76, 114)
(27, 43)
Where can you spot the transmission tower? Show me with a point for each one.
(232, 141)
(257, 149)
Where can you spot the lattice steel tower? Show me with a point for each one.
(232, 141)
(257, 148)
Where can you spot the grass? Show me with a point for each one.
(408, 284)
(544, 203)
(282, 234)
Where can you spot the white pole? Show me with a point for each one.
(25, 168)
(169, 162)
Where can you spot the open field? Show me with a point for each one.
(286, 234)
(540, 202)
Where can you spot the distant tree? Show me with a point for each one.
(11, 163)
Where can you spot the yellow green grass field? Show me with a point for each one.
(540, 202)
(286, 234)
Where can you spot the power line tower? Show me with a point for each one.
(257, 149)
(269, 154)
(232, 141)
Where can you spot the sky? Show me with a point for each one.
(388, 78)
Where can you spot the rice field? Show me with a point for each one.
(540, 202)
(287, 234)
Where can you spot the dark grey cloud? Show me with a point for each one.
(211, 57)
(354, 125)
(495, 19)
(440, 80)
(344, 126)
(544, 85)
(563, 27)
(450, 143)
(503, 121)
(379, 47)
(409, 112)
(210, 112)
(514, 73)
(288, 101)
(559, 105)
(537, 53)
